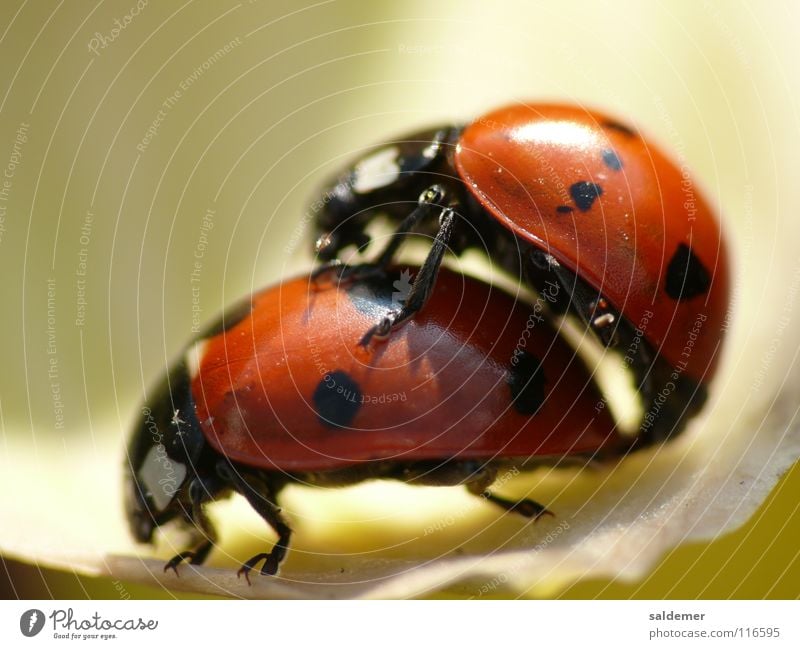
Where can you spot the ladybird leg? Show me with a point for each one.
(272, 560)
(572, 292)
(334, 271)
(427, 202)
(195, 556)
(527, 508)
(668, 402)
(423, 284)
(261, 497)
(334, 266)
(203, 528)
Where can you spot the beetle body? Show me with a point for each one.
(561, 194)
(281, 391)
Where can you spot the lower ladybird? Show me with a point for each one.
(280, 391)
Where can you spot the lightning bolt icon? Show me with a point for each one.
(32, 620)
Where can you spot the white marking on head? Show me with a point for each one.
(161, 476)
(377, 170)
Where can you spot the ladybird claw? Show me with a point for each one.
(248, 566)
(531, 509)
(526, 508)
(380, 331)
(178, 559)
(271, 563)
(244, 570)
(172, 566)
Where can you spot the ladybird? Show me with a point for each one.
(280, 391)
(558, 194)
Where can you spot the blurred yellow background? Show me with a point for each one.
(137, 135)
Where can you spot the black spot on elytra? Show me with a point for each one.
(584, 194)
(612, 160)
(337, 399)
(564, 209)
(619, 128)
(372, 295)
(687, 277)
(526, 380)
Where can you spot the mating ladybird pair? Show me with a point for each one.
(332, 378)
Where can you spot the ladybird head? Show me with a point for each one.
(162, 456)
(387, 178)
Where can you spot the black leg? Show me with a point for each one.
(327, 267)
(202, 528)
(527, 508)
(668, 402)
(262, 499)
(195, 556)
(423, 282)
(272, 560)
(585, 302)
(427, 203)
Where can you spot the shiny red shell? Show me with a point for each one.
(612, 208)
(289, 387)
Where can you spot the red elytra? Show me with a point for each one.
(615, 210)
(289, 388)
